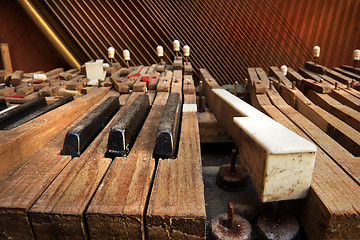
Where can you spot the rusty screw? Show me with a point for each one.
(231, 213)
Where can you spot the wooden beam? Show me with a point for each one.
(165, 82)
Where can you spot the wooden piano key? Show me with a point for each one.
(20, 112)
(123, 133)
(168, 130)
(21, 190)
(3, 104)
(40, 112)
(188, 69)
(27, 139)
(112, 213)
(164, 83)
(82, 134)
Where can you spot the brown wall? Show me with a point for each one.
(331, 24)
(29, 49)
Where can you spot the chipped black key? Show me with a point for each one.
(84, 132)
(168, 130)
(123, 133)
(3, 104)
(41, 111)
(14, 115)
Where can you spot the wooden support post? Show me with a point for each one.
(6, 60)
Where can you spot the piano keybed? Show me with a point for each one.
(45, 194)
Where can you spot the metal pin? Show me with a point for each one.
(231, 213)
(321, 80)
(336, 85)
(245, 87)
(293, 86)
(235, 88)
(271, 84)
(279, 86)
(200, 109)
(348, 85)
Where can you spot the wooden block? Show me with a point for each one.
(178, 64)
(255, 81)
(7, 91)
(77, 84)
(40, 86)
(86, 90)
(152, 68)
(65, 92)
(54, 72)
(47, 91)
(132, 175)
(154, 79)
(177, 83)
(27, 139)
(16, 78)
(25, 91)
(165, 82)
(112, 69)
(188, 69)
(6, 60)
(310, 75)
(344, 113)
(174, 204)
(317, 68)
(325, 207)
(119, 84)
(188, 85)
(160, 68)
(140, 85)
(317, 86)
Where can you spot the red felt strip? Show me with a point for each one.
(145, 79)
(15, 96)
(38, 81)
(135, 75)
(357, 84)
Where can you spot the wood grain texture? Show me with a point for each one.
(19, 144)
(165, 82)
(21, 190)
(117, 208)
(328, 204)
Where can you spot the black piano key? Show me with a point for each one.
(168, 129)
(84, 132)
(124, 132)
(41, 111)
(14, 115)
(3, 104)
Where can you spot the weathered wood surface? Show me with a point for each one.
(20, 190)
(343, 112)
(164, 83)
(351, 69)
(177, 205)
(19, 144)
(349, 74)
(118, 207)
(66, 199)
(330, 211)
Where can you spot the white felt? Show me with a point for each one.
(126, 55)
(189, 108)
(94, 70)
